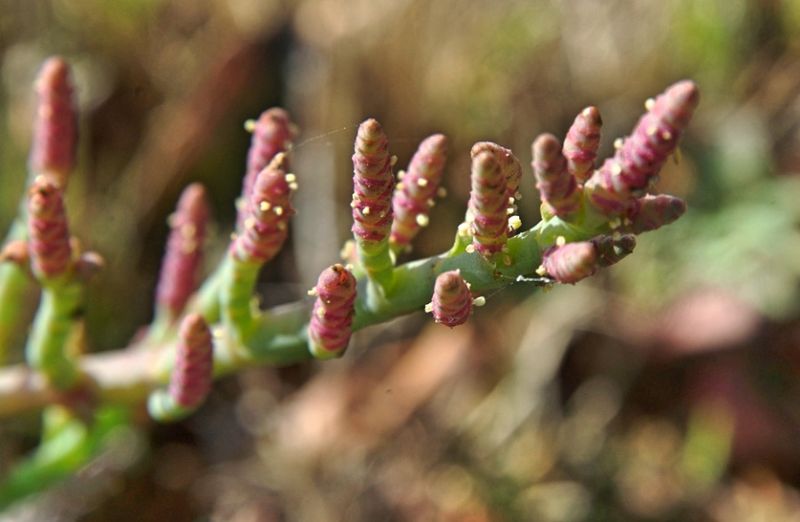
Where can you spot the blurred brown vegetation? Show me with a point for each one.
(665, 389)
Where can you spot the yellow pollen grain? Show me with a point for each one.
(422, 182)
(429, 308)
(401, 174)
(616, 169)
(365, 211)
(479, 301)
(430, 202)
(561, 241)
(278, 211)
(470, 249)
(618, 143)
(510, 211)
(542, 271)
(422, 220)
(400, 186)
(250, 125)
(651, 130)
(293, 186)
(290, 178)
(393, 161)
(463, 229)
(313, 292)
(264, 206)
(666, 135)
(649, 104)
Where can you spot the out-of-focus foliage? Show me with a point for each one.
(664, 390)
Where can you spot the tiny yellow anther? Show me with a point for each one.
(470, 249)
(618, 143)
(264, 206)
(422, 182)
(393, 161)
(561, 241)
(649, 104)
(278, 210)
(429, 308)
(250, 125)
(365, 211)
(542, 271)
(422, 220)
(479, 301)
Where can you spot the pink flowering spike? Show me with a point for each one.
(273, 132)
(48, 232)
(582, 142)
(329, 329)
(452, 301)
(267, 225)
(192, 374)
(184, 253)
(413, 196)
(373, 183)
(653, 212)
(558, 189)
(487, 205)
(509, 164)
(55, 133)
(637, 161)
(611, 251)
(571, 262)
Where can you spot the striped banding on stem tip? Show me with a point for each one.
(488, 201)
(329, 329)
(48, 230)
(373, 184)
(451, 304)
(273, 132)
(190, 381)
(582, 142)
(267, 225)
(509, 165)
(557, 188)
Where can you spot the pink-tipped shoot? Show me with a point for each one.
(48, 230)
(557, 188)
(571, 262)
(582, 142)
(184, 253)
(487, 215)
(414, 195)
(55, 132)
(193, 372)
(452, 301)
(267, 225)
(373, 183)
(332, 316)
(638, 159)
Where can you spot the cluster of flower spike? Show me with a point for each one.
(273, 133)
(55, 129)
(640, 156)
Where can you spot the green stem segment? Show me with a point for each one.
(61, 304)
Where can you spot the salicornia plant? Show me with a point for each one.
(206, 329)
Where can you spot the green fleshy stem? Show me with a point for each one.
(46, 351)
(163, 408)
(279, 338)
(236, 295)
(14, 284)
(376, 259)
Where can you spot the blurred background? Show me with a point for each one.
(664, 389)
